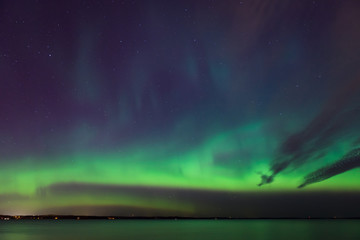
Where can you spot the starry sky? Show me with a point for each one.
(180, 108)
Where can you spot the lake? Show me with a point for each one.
(180, 229)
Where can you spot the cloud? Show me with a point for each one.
(205, 203)
(338, 119)
(348, 162)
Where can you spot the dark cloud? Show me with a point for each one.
(109, 210)
(337, 120)
(348, 162)
(209, 203)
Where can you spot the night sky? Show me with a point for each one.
(180, 108)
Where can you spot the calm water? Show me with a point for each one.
(181, 229)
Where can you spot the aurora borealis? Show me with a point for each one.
(180, 108)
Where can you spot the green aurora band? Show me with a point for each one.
(153, 166)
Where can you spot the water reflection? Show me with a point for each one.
(181, 229)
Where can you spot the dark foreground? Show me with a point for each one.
(179, 229)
